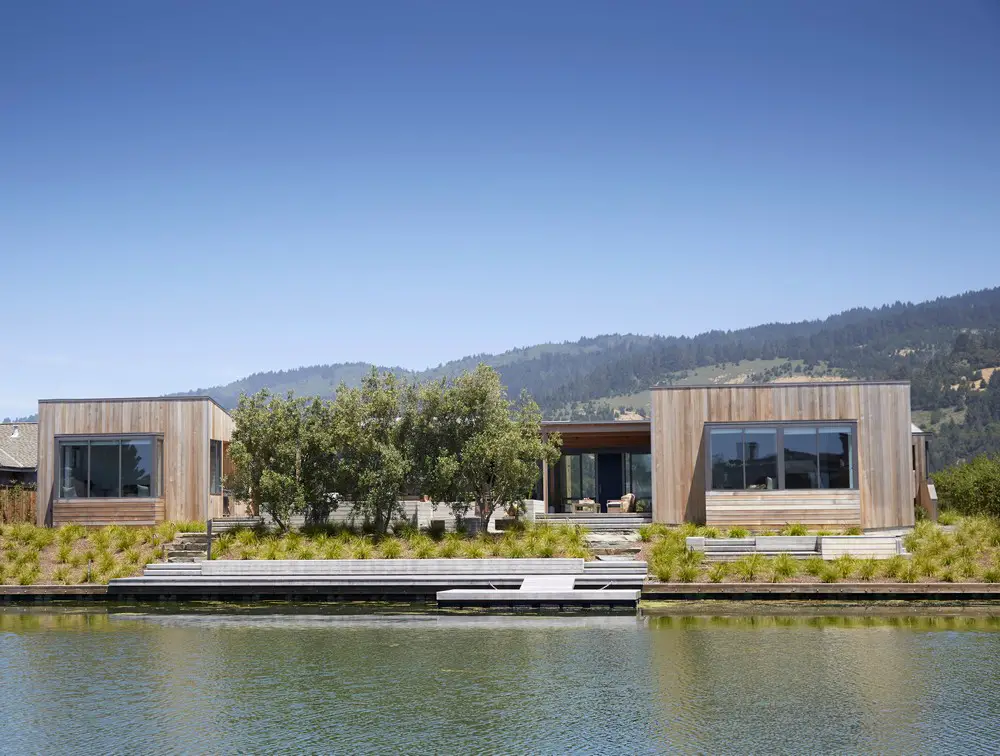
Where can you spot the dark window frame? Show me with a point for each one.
(215, 457)
(780, 428)
(155, 476)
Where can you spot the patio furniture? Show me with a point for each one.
(585, 505)
(628, 503)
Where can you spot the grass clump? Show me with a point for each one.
(718, 572)
(794, 529)
(783, 566)
(750, 567)
(814, 566)
(738, 533)
(830, 574)
(845, 565)
(893, 567)
(867, 569)
(390, 548)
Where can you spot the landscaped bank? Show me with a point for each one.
(72, 554)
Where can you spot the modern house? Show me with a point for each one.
(831, 454)
(826, 455)
(131, 461)
(18, 453)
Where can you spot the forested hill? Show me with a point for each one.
(946, 348)
(893, 341)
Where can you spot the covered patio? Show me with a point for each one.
(601, 463)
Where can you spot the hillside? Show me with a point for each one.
(946, 347)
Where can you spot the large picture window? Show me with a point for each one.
(110, 467)
(780, 456)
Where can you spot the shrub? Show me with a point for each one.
(70, 534)
(814, 566)
(663, 569)
(362, 548)
(718, 571)
(783, 566)
(947, 517)
(829, 574)
(27, 575)
(688, 573)
(893, 567)
(391, 548)
(971, 488)
(738, 533)
(515, 550)
(750, 567)
(546, 549)
(166, 531)
(867, 569)
(795, 529)
(844, 564)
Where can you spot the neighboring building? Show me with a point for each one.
(827, 455)
(18, 453)
(131, 461)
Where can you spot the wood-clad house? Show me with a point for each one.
(131, 461)
(823, 454)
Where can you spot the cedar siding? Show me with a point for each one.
(881, 412)
(186, 425)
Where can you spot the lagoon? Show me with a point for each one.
(266, 681)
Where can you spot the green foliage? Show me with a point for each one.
(830, 573)
(947, 517)
(783, 566)
(390, 548)
(893, 567)
(63, 553)
(738, 533)
(991, 575)
(663, 569)
(867, 569)
(750, 567)
(70, 534)
(794, 529)
(972, 488)
(814, 566)
(853, 530)
(362, 548)
(845, 565)
(471, 444)
(646, 533)
(688, 573)
(718, 572)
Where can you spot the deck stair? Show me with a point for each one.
(598, 522)
(380, 577)
(187, 548)
(731, 549)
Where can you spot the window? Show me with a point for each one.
(215, 467)
(780, 456)
(110, 467)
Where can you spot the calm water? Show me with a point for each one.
(306, 683)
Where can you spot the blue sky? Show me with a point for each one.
(193, 191)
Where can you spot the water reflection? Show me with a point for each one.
(219, 681)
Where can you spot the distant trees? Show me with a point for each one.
(462, 442)
(972, 488)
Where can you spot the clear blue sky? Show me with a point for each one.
(193, 191)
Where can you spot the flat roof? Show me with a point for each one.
(778, 385)
(603, 426)
(189, 398)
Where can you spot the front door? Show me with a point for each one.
(610, 479)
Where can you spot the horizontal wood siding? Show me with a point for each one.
(775, 509)
(881, 411)
(109, 512)
(185, 426)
